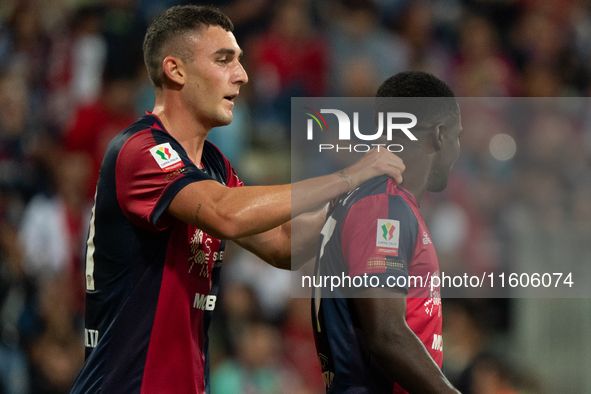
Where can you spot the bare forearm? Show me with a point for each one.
(232, 213)
(315, 192)
(252, 210)
(290, 245)
(305, 234)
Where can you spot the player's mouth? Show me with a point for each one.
(231, 98)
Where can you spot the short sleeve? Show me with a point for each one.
(151, 169)
(233, 180)
(378, 238)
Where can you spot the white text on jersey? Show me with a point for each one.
(437, 342)
(90, 337)
(204, 302)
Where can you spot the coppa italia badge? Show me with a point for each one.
(166, 157)
(387, 237)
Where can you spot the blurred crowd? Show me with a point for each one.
(72, 77)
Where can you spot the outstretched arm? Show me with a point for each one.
(398, 350)
(233, 213)
(278, 248)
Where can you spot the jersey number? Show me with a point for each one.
(326, 233)
(90, 252)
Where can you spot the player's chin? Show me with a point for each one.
(437, 182)
(438, 188)
(225, 119)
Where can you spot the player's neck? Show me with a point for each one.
(180, 124)
(415, 178)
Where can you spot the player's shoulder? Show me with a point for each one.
(373, 187)
(379, 197)
(382, 190)
(144, 127)
(147, 134)
(401, 201)
(142, 143)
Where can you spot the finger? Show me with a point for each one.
(400, 165)
(397, 159)
(402, 168)
(396, 174)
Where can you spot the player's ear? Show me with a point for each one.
(173, 69)
(437, 136)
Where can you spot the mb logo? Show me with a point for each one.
(392, 120)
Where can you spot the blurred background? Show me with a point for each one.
(72, 77)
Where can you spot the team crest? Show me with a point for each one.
(387, 237)
(166, 157)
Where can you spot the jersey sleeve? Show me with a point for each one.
(151, 169)
(233, 180)
(378, 238)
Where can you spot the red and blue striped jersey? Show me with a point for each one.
(376, 231)
(151, 279)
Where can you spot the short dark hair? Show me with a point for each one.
(175, 23)
(420, 93)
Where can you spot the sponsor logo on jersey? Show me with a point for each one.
(201, 253)
(327, 375)
(434, 301)
(387, 237)
(166, 157)
(90, 338)
(437, 342)
(204, 302)
(426, 239)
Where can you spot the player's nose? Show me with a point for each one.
(240, 75)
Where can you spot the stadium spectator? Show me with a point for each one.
(290, 60)
(94, 125)
(548, 44)
(53, 229)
